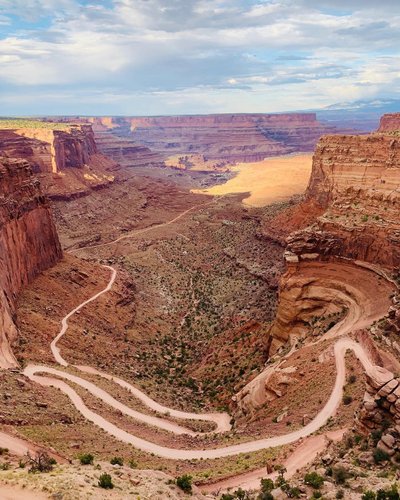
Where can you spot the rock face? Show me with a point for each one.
(125, 150)
(28, 242)
(229, 137)
(390, 123)
(355, 198)
(354, 182)
(54, 154)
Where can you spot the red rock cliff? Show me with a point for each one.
(355, 182)
(28, 242)
(228, 137)
(390, 123)
(354, 201)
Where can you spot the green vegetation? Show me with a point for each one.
(184, 483)
(117, 461)
(105, 482)
(314, 480)
(86, 459)
(390, 494)
(380, 456)
(16, 123)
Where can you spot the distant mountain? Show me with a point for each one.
(361, 115)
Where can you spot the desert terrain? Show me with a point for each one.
(198, 332)
(268, 181)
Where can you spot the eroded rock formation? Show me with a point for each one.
(28, 242)
(66, 160)
(390, 123)
(229, 137)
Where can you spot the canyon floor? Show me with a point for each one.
(268, 181)
(186, 322)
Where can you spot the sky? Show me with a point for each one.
(155, 57)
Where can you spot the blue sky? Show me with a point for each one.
(142, 57)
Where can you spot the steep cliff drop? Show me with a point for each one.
(64, 156)
(28, 243)
(340, 264)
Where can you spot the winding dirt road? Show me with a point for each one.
(35, 373)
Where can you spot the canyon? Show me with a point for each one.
(249, 305)
(210, 142)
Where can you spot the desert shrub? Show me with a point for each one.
(117, 461)
(5, 466)
(339, 494)
(41, 462)
(133, 464)
(380, 456)
(317, 494)
(314, 480)
(293, 492)
(352, 379)
(267, 485)
(3, 451)
(340, 475)
(105, 482)
(184, 483)
(347, 399)
(368, 495)
(265, 495)
(86, 459)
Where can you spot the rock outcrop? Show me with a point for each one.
(355, 183)
(229, 137)
(65, 158)
(390, 123)
(28, 242)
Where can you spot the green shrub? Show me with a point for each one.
(317, 494)
(86, 459)
(314, 480)
(368, 495)
(105, 482)
(117, 461)
(380, 456)
(267, 485)
(184, 483)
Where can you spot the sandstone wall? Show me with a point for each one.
(50, 150)
(28, 242)
(229, 137)
(355, 182)
(390, 123)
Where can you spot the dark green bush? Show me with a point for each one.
(184, 483)
(368, 495)
(314, 480)
(86, 459)
(105, 482)
(117, 461)
(380, 456)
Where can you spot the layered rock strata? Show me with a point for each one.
(28, 243)
(229, 137)
(66, 160)
(390, 122)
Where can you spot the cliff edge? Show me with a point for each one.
(28, 243)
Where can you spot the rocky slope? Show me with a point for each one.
(65, 158)
(28, 242)
(229, 137)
